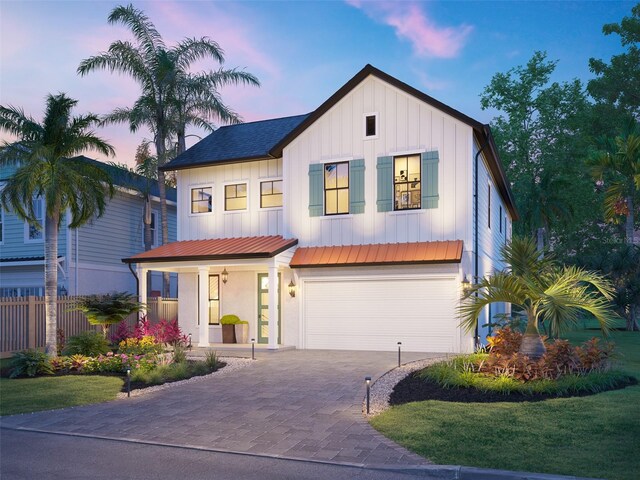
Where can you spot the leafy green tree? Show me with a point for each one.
(617, 84)
(157, 69)
(544, 290)
(616, 166)
(107, 310)
(539, 135)
(45, 168)
(622, 265)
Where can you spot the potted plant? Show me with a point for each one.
(242, 331)
(228, 323)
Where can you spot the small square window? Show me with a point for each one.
(201, 200)
(271, 194)
(235, 197)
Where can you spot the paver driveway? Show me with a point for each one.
(295, 404)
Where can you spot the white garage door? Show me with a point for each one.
(376, 314)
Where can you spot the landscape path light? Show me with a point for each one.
(367, 380)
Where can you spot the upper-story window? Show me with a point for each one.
(32, 232)
(201, 200)
(370, 125)
(336, 188)
(235, 197)
(406, 182)
(271, 194)
(153, 228)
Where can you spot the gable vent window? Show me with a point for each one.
(370, 125)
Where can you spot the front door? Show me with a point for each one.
(263, 308)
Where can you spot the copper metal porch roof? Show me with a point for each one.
(216, 249)
(378, 254)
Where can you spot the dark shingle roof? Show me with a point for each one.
(124, 178)
(234, 143)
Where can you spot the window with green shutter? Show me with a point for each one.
(384, 168)
(356, 186)
(429, 166)
(316, 189)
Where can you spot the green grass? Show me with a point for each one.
(595, 436)
(47, 393)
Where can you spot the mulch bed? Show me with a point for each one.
(415, 389)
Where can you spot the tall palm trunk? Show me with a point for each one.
(148, 241)
(51, 280)
(164, 220)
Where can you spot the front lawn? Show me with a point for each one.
(47, 393)
(595, 436)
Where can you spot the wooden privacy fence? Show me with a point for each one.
(22, 320)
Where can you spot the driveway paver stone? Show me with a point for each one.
(301, 404)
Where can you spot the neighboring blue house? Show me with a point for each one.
(89, 258)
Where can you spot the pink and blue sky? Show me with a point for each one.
(302, 51)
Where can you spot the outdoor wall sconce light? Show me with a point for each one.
(224, 275)
(466, 284)
(367, 380)
(63, 291)
(292, 288)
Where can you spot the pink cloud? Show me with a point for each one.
(411, 23)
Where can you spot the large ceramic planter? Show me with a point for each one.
(228, 333)
(242, 333)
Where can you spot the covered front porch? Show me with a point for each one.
(248, 277)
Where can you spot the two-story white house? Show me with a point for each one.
(352, 227)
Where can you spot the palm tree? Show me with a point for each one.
(544, 291)
(619, 159)
(45, 168)
(157, 69)
(197, 101)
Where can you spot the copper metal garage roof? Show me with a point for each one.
(216, 249)
(378, 254)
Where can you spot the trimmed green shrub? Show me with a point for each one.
(30, 363)
(90, 344)
(231, 320)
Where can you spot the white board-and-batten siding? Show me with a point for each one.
(254, 221)
(406, 125)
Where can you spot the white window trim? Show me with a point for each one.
(26, 227)
(213, 202)
(269, 179)
(224, 196)
(364, 126)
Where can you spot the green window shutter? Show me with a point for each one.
(356, 186)
(430, 180)
(385, 184)
(316, 189)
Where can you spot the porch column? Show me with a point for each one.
(203, 306)
(142, 293)
(273, 307)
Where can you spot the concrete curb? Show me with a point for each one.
(445, 472)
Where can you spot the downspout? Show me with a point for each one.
(137, 280)
(476, 233)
